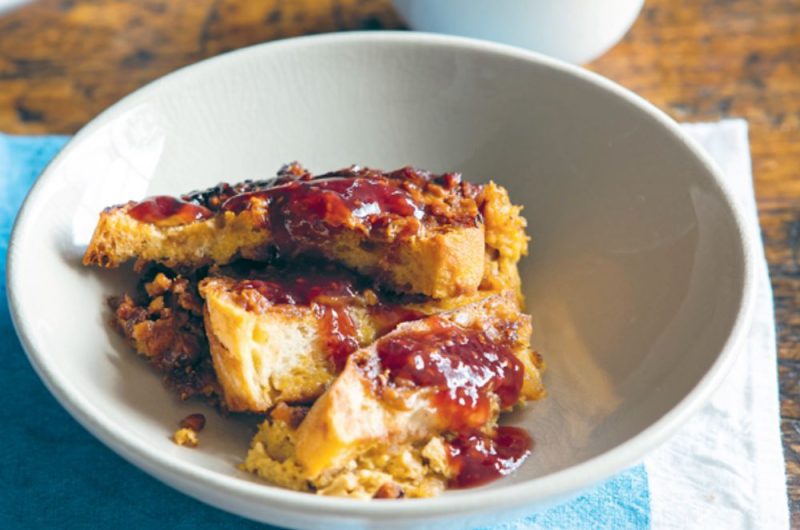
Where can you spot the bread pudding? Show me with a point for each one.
(281, 334)
(373, 318)
(410, 230)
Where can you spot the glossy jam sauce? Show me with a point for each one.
(479, 458)
(164, 210)
(302, 290)
(464, 367)
(306, 210)
(339, 330)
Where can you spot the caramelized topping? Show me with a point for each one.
(166, 326)
(478, 458)
(213, 198)
(304, 208)
(465, 367)
(164, 210)
(301, 289)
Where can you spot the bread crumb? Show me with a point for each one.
(186, 437)
(405, 470)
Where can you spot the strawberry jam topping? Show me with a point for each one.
(464, 367)
(478, 458)
(339, 330)
(307, 210)
(303, 289)
(164, 210)
(303, 209)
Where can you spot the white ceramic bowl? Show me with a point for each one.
(639, 282)
(577, 31)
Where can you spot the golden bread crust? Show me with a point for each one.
(119, 237)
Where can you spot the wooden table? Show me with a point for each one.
(63, 61)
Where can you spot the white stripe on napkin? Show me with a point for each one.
(725, 469)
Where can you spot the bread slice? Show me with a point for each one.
(383, 400)
(410, 230)
(281, 334)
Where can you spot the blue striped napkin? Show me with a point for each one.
(56, 475)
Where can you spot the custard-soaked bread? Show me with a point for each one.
(410, 230)
(282, 333)
(451, 372)
(411, 413)
(406, 470)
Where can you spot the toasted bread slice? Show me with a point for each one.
(402, 388)
(281, 334)
(412, 231)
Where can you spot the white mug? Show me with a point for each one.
(572, 30)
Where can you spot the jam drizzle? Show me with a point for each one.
(340, 333)
(478, 458)
(306, 210)
(301, 289)
(303, 209)
(464, 367)
(163, 210)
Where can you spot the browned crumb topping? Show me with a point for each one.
(435, 199)
(165, 324)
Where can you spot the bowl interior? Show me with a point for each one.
(635, 275)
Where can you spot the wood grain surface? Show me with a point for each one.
(63, 61)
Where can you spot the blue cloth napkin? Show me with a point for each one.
(54, 474)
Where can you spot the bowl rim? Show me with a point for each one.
(541, 490)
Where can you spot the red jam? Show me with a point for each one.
(304, 209)
(301, 290)
(340, 333)
(328, 290)
(479, 458)
(164, 210)
(464, 366)
(307, 210)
